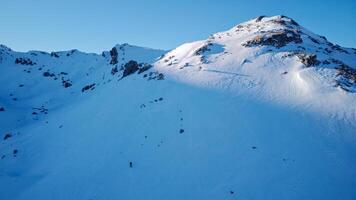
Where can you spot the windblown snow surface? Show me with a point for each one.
(265, 110)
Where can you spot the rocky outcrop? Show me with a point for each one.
(347, 78)
(54, 54)
(114, 70)
(130, 68)
(277, 39)
(144, 67)
(203, 49)
(24, 61)
(308, 60)
(88, 87)
(258, 19)
(114, 56)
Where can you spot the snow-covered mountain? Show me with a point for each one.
(265, 110)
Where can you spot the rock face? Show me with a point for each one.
(277, 39)
(114, 56)
(144, 67)
(348, 72)
(308, 59)
(130, 68)
(203, 49)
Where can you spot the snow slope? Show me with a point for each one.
(249, 113)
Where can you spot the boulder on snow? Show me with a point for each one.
(48, 74)
(7, 136)
(66, 83)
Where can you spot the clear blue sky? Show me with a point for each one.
(94, 26)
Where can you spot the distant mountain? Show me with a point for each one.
(265, 110)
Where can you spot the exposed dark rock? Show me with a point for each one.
(160, 76)
(340, 49)
(338, 62)
(181, 131)
(114, 56)
(7, 136)
(244, 61)
(203, 49)
(325, 62)
(130, 68)
(24, 61)
(324, 38)
(144, 68)
(71, 52)
(258, 19)
(114, 70)
(48, 74)
(308, 59)
(347, 72)
(278, 39)
(54, 54)
(314, 40)
(290, 20)
(154, 76)
(88, 87)
(66, 83)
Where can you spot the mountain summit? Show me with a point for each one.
(265, 110)
(273, 58)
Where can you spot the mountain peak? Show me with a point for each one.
(280, 19)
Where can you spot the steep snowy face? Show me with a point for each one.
(272, 58)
